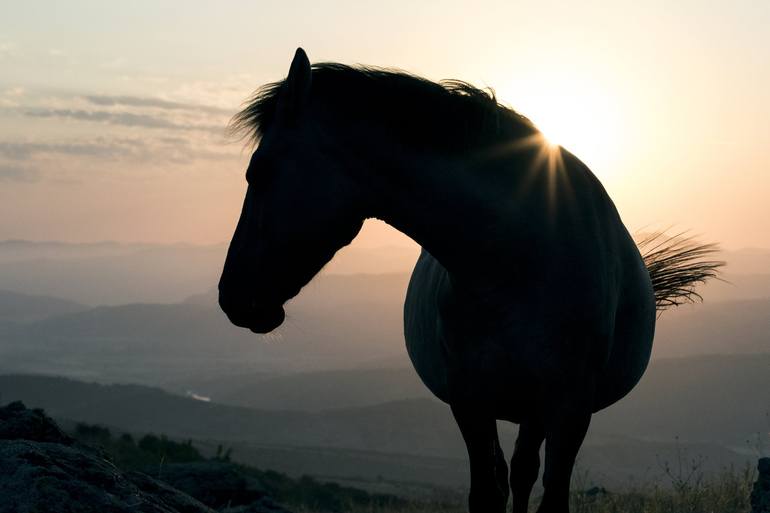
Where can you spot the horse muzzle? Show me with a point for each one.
(258, 317)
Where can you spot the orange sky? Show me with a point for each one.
(111, 117)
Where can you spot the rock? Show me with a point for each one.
(19, 423)
(44, 470)
(217, 484)
(760, 495)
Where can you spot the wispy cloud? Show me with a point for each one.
(120, 118)
(138, 101)
(28, 150)
(120, 133)
(162, 149)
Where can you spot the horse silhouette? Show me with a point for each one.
(530, 301)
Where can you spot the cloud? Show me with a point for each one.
(138, 101)
(27, 150)
(11, 173)
(128, 132)
(158, 150)
(129, 119)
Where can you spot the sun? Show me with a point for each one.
(578, 115)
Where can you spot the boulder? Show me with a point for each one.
(44, 470)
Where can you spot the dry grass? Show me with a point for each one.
(728, 493)
(685, 493)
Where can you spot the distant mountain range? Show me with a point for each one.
(332, 390)
(110, 273)
(18, 307)
(710, 407)
(338, 321)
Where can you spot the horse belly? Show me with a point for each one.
(632, 338)
(457, 366)
(424, 343)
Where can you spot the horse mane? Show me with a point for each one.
(450, 115)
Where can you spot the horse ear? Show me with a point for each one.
(297, 90)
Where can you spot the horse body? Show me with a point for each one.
(530, 302)
(543, 307)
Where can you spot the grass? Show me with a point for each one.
(686, 493)
(685, 489)
(725, 493)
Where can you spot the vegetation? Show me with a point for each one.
(128, 454)
(687, 491)
(303, 494)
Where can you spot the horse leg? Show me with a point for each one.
(525, 464)
(563, 436)
(489, 472)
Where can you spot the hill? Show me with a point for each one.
(110, 273)
(339, 321)
(735, 327)
(331, 325)
(672, 411)
(17, 307)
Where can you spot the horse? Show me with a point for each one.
(530, 301)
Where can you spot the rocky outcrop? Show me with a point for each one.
(42, 469)
(220, 485)
(760, 495)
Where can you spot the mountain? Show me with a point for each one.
(713, 328)
(331, 325)
(724, 398)
(110, 273)
(314, 391)
(143, 409)
(17, 307)
(708, 399)
(338, 321)
(418, 439)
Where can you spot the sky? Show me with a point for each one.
(112, 114)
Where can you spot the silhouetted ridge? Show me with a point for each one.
(452, 114)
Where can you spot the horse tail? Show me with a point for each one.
(676, 264)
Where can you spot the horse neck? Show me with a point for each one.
(440, 202)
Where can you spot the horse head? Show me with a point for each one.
(300, 208)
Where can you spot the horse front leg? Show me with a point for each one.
(489, 472)
(564, 435)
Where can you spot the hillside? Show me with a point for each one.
(339, 321)
(673, 410)
(155, 343)
(715, 328)
(18, 307)
(110, 273)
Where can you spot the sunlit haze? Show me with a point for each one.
(112, 115)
